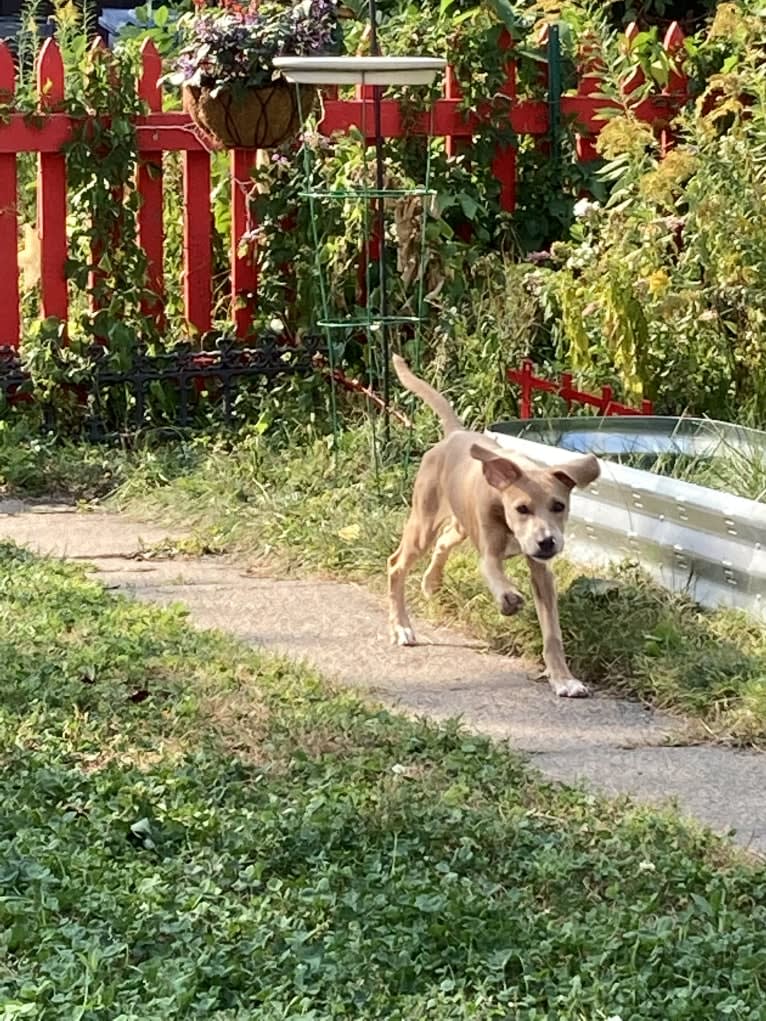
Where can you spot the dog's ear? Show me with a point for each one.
(498, 471)
(581, 472)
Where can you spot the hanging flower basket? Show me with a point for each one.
(261, 117)
(231, 87)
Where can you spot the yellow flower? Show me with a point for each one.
(657, 282)
(624, 134)
(729, 23)
(679, 165)
(663, 184)
(653, 188)
(66, 14)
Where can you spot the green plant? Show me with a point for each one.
(193, 828)
(106, 265)
(650, 288)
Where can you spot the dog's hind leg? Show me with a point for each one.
(419, 533)
(450, 538)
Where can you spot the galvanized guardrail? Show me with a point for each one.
(705, 542)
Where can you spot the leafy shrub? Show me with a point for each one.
(662, 286)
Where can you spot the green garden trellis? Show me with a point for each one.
(375, 320)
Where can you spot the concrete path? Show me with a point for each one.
(616, 746)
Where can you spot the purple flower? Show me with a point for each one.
(226, 48)
(539, 258)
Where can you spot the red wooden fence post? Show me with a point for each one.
(51, 192)
(636, 78)
(150, 225)
(10, 322)
(452, 91)
(244, 270)
(565, 389)
(527, 369)
(673, 44)
(504, 162)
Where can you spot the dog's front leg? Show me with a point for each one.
(546, 604)
(509, 601)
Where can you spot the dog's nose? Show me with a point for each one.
(547, 546)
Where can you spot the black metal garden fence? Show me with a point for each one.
(109, 396)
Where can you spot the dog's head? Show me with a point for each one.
(535, 500)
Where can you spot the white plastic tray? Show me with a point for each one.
(360, 70)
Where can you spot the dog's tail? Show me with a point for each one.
(432, 398)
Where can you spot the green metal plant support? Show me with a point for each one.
(380, 326)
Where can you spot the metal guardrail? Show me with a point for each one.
(641, 436)
(707, 543)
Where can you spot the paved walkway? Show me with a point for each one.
(614, 745)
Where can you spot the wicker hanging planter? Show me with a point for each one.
(256, 118)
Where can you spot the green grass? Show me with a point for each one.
(190, 829)
(292, 502)
(622, 633)
(735, 471)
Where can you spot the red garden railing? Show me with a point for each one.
(604, 401)
(160, 132)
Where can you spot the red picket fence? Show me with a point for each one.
(160, 132)
(604, 402)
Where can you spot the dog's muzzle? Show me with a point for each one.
(546, 548)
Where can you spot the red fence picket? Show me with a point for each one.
(151, 235)
(10, 321)
(604, 402)
(51, 191)
(198, 254)
(159, 132)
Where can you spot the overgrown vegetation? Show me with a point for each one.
(310, 511)
(191, 829)
(284, 491)
(663, 285)
(655, 288)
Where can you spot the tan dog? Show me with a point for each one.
(468, 487)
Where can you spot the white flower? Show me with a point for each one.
(645, 866)
(583, 207)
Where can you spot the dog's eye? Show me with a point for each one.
(557, 507)
(523, 509)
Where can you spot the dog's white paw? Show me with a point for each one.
(568, 687)
(510, 602)
(403, 635)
